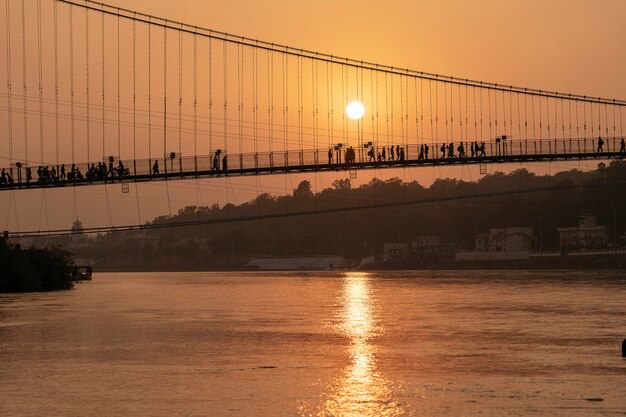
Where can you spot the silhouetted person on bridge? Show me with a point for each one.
(398, 151)
(443, 150)
(426, 148)
(622, 146)
(371, 154)
(3, 177)
(392, 155)
(600, 144)
(216, 164)
(62, 174)
(461, 150)
(384, 154)
(472, 152)
(225, 163)
(53, 173)
(155, 168)
(29, 174)
(421, 154)
(330, 156)
(451, 150)
(401, 154)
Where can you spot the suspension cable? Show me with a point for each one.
(236, 39)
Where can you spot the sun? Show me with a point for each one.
(355, 110)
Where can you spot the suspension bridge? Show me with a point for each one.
(99, 94)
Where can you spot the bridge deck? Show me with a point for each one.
(174, 167)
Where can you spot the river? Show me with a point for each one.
(415, 343)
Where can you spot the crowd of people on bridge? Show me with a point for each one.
(396, 153)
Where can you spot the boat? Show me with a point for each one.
(82, 273)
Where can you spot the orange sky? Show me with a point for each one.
(570, 46)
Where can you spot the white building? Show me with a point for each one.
(505, 243)
(588, 234)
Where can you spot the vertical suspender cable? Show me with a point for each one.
(40, 69)
(24, 83)
(195, 98)
(391, 116)
(482, 138)
(210, 96)
(270, 98)
(373, 109)
(430, 97)
(328, 87)
(225, 65)
(519, 119)
(417, 126)
(88, 136)
(489, 110)
(255, 97)
(180, 94)
(134, 95)
(402, 132)
(331, 117)
(135, 118)
(103, 85)
(119, 124)
(149, 96)
(72, 122)
(301, 106)
(445, 104)
(285, 108)
(387, 110)
(255, 109)
(9, 93)
(437, 110)
(240, 53)
(165, 96)
(475, 114)
(56, 80)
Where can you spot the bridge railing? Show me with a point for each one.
(219, 162)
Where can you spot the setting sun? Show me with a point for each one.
(355, 110)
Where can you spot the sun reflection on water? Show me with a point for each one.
(361, 390)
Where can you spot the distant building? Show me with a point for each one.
(587, 235)
(506, 239)
(395, 251)
(430, 248)
(506, 243)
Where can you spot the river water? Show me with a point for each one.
(318, 344)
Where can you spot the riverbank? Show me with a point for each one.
(603, 262)
(32, 270)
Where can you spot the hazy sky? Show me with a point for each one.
(572, 46)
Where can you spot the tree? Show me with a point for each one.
(303, 190)
(77, 227)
